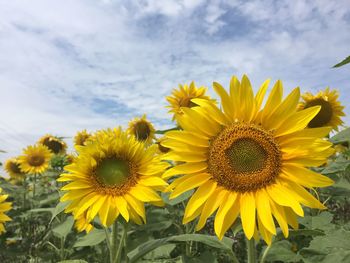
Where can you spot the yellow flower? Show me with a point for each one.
(182, 97)
(81, 137)
(114, 174)
(4, 207)
(13, 169)
(247, 161)
(81, 224)
(55, 145)
(331, 109)
(142, 129)
(35, 159)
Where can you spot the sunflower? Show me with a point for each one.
(113, 174)
(14, 170)
(35, 159)
(182, 97)
(55, 144)
(142, 129)
(331, 109)
(247, 161)
(81, 138)
(4, 207)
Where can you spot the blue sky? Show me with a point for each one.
(95, 64)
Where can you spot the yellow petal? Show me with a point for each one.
(199, 197)
(103, 213)
(247, 204)
(122, 206)
(279, 214)
(96, 207)
(152, 181)
(86, 202)
(266, 235)
(284, 110)
(188, 138)
(137, 205)
(213, 202)
(190, 183)
(264, 210)
(144, 194)
(225, 101)
(185, 157)
(226, 214)
(213, 110)
(273, 101)
(259, 97)
(304, 176)
(278, 194)
(297, 121)
(187, 168)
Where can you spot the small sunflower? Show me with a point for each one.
(55, 144)
(35, 159)
(331, 109)
(4, 207)
(81, 138)
(113, 175)
(247, 161)
(182, 97)
(142, 129)
(14, 170)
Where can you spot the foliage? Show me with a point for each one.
(342, 63)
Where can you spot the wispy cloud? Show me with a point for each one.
(95, 64)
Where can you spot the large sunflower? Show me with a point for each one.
(55, 144)
(35, 159)
(81, 138)
(113, 174)
(142, 129)
(4, 207)
(247, 161)
(13, 169)
(331, 109)
(182, 97)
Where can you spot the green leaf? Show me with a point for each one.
(64, 228)
(96, 236)
(161, 252)
(38, 210)
(321, 221)
(212, 241)
(342, 63)
(58, 209)
(282, 251)
(178, 199)
(340, 137)
(73, 261)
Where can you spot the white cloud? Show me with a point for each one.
(58, 60)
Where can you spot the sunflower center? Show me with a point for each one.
(186, 102)
(55, 146)
(15, 168)
(113, 172)
(323, 116)
(244, 158)
(36, 160)
(142, 131)
(246, 155)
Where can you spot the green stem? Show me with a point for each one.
(251, 251)
(114, 242)
(266, 251)
(34, 183)
(108, 241)
(62, 252)
(121, 243)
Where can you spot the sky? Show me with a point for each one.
(94, 64)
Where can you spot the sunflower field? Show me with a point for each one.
(249, 177)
